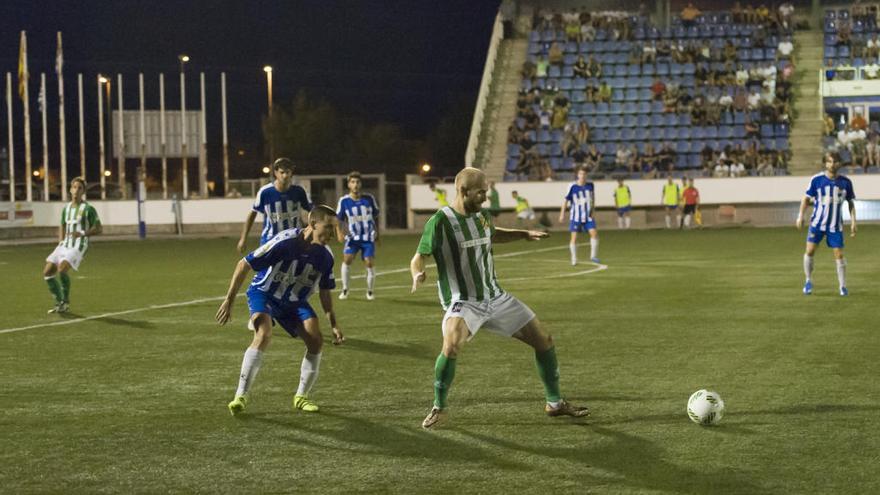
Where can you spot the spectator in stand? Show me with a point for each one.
(872, 70)
(786, 14)
(784, 49)
(725, 102)
(830, 126)
(721, 169)
(707, 157)
(514, 134)
(541, 66)
(664, 52)
(736, 169)
(750, 159)
(545, 120)
(705, 52)
(729, 53)
(762, 13)
(658, 89)
(736, 13)
(689, 15)
(588, 32)
(649, 158)
(667, 157)
(872, 150)
(594, 68)
(830, 72)
(872, 47)
(529, 70)
(635, 159)
(573, 30)
(649, 53)
(623, 157)
(583, 133)
(765, 166)
(542, 170)
(555, 54)
(604, 93)
(754, 100)
(532, 121)
(593, 158)
(846, 71)
(742, 75)
(753, 129)
(859, 123)
(569, 139)
(580, 68)
(740, 101)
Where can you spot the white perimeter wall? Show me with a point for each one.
(744, 190)
(205, 211)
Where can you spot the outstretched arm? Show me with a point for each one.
(509, 235)
(800, 218)
(224, 313)
(417, 270)
(562, 211)
(852, 217)
(326, 298)
(248, 222)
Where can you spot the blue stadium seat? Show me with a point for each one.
(643, 107)
(565, 84)
(630, 120)
(598, 134)
(684, 132)
(711, 132)
(643, 119)
(511, 164)
(602, 108)
(613, 134)
(725, 132)
(626, 134)
(554, 72)
(630, 107)
(657, 120)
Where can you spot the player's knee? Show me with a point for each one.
(64, 267)
(49, 270)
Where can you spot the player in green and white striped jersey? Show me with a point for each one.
(460, 238)
(79, 221)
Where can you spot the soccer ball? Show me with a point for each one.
(705, 407)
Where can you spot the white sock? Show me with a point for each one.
(678, 219)
(346, 276)
(808, 267)
(572, 248)
(371, 276)
(668, 222)
(250, 365)
(619, 222)
(841, 272)
(594, 247)
(687, 221)
(308, 373)
(628, 222)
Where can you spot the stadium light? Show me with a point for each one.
(37, 172)
(268, 70)
(266, 170)
(425, 168)
(102, 79)
(184, 58)
(107, 173)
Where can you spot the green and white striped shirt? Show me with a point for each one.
(462, 247)
(78, 218)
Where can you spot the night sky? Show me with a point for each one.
(397, 62)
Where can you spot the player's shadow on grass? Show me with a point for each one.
(416, 351)
(369, 437)
(139, 324)
(640, 462)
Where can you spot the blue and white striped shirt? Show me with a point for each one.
(291, 267)
(828, 196)
(281, 210)
(361, 215)
(581, 199)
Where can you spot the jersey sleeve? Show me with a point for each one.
(570, 193)
(258, 201)
(340, 211)
(304, 200)
(92, 216)
(375, 206)
(63, 216)
(850, 193)
(327, 281)
(271, 252)
(429, 235)
(811, 190)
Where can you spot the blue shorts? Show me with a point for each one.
(367, 248)
(833, 239)
(623, 211)
(671, 207)
(290, 316)
(574, 226)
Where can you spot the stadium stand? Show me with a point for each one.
(652, 101)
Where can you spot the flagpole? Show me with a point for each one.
(102, 152)
(142, 124)
(62, 152)
(203, 146)
(45, 137)
(82, 132)
(183, 132)
(120, 164)
(25, 96)
(11, 140)
(225, 141)
(162, 135)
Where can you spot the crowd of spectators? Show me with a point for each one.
(723, 84)
(857, 143)
(852, 43)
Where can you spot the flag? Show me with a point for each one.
(23, 75)
(59, 57)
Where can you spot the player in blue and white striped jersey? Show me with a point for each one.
(292, 265)
(360, 212)
(582, 199)
(280, 203)
(827, 192)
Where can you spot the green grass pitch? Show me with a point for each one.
(136, 401)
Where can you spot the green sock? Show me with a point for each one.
(444, 372)
(65, 286)
(54, 288)
(548, 370)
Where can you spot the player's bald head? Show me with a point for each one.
(469, 178)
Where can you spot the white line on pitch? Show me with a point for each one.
(220, 298)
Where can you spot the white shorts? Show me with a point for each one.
(71, 255)
(526, 215)
(505, 315)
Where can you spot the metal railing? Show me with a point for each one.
(480, 110)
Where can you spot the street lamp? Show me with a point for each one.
(103, 83)
(183, 58)
(425, 168)
(268, 70)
